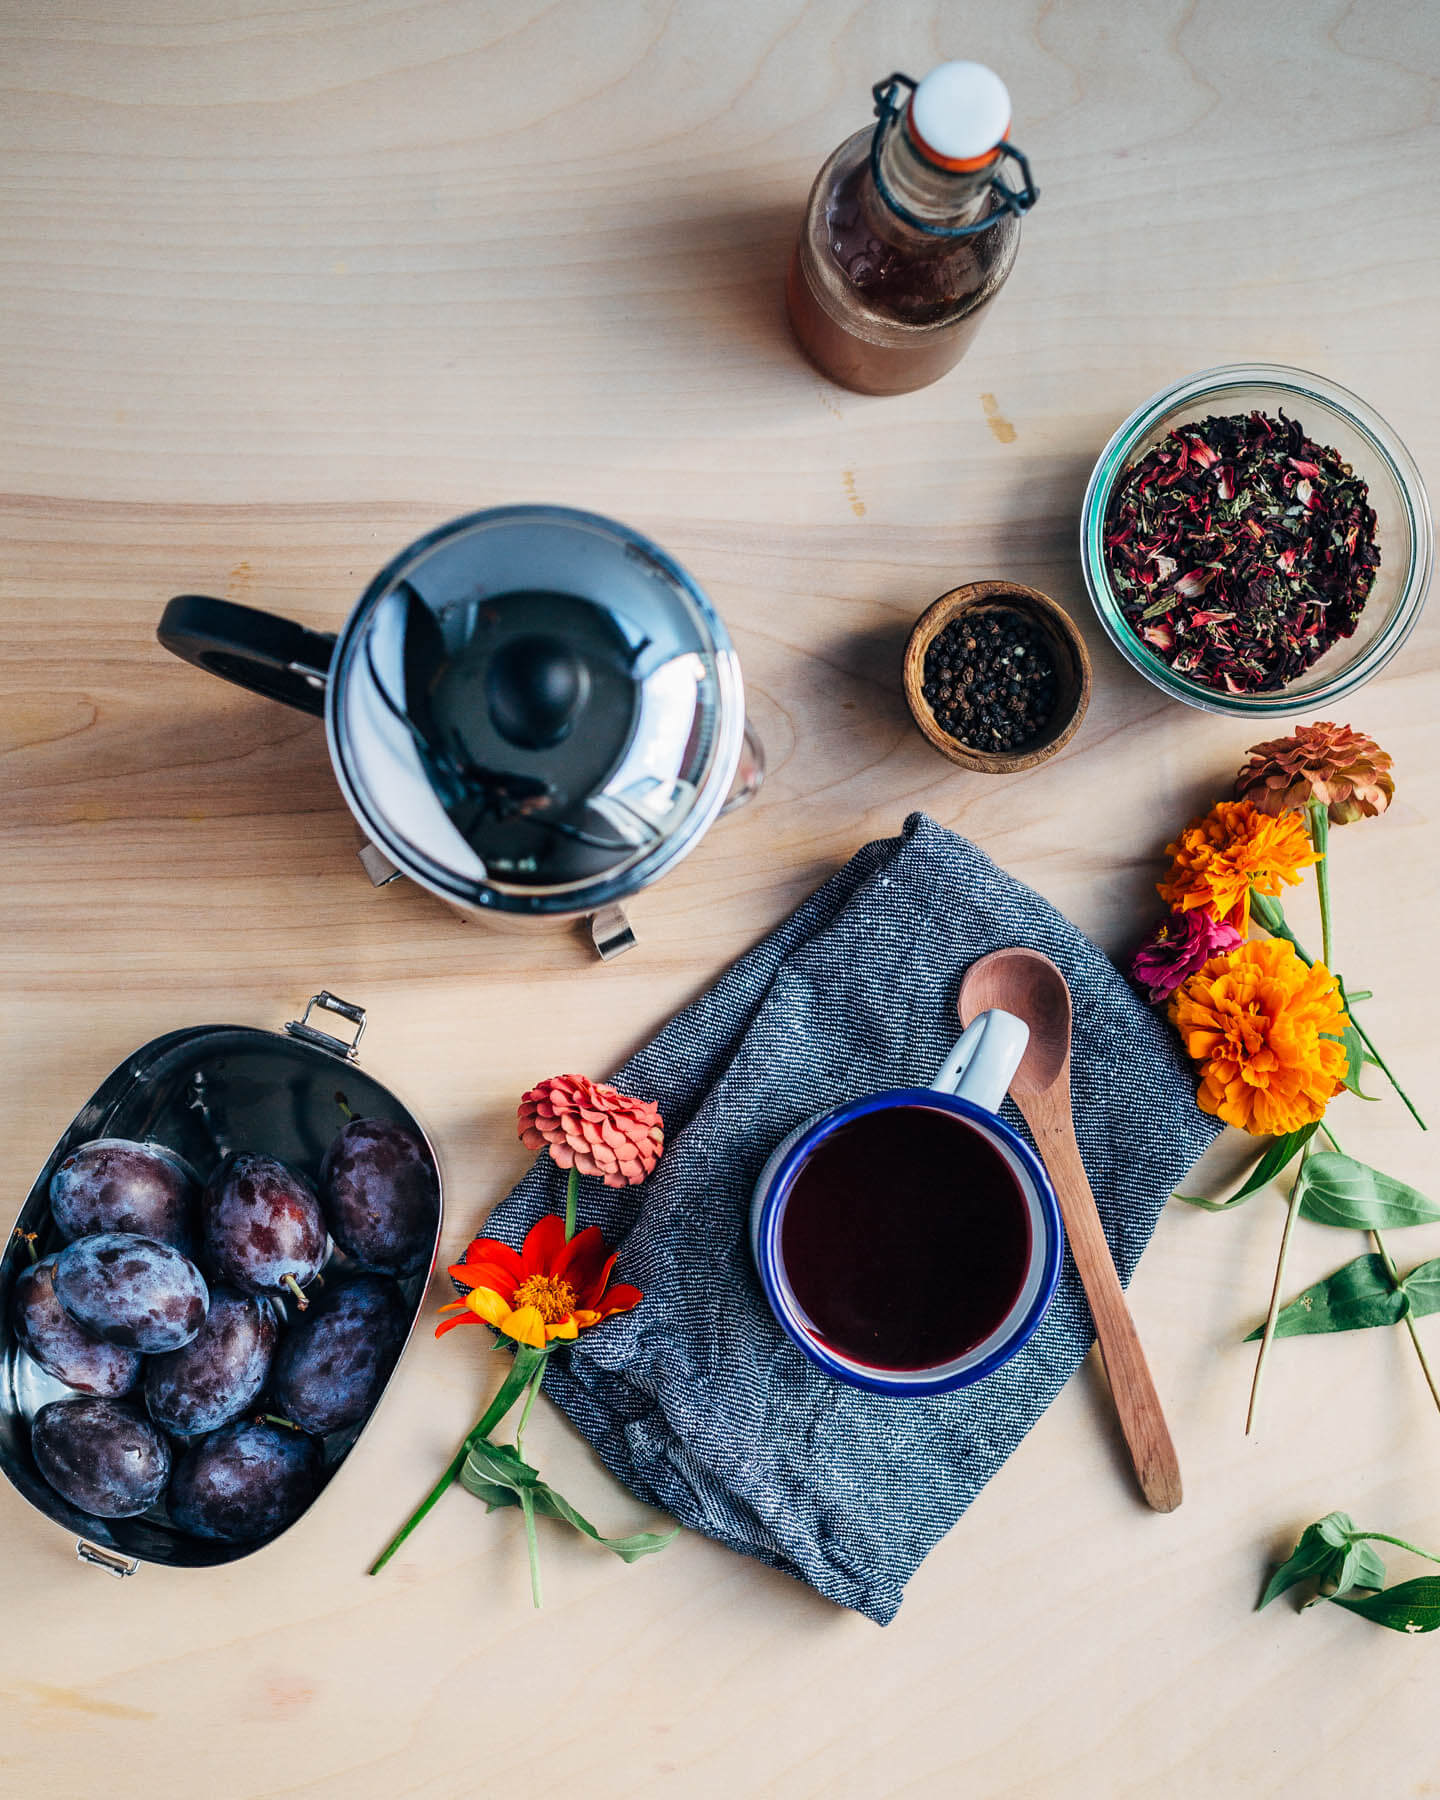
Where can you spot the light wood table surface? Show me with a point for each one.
(287, 285)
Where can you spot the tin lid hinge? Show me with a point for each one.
(110, 1560)
(323, 1040)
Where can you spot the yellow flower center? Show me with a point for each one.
(553, 1300)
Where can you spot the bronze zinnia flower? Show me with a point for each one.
(1345, 770)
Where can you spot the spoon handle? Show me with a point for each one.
(1142, 1420)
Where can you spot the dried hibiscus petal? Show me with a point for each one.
(1274, 534)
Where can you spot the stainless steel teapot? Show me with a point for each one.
(533, 712)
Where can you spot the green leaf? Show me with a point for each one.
(1281, 1153)
(628, 1549)
(1355, 1061)
(1357, 1569)
(1316, 1555)
(1337, 1190)
(496, 1466)
(1355, 1298)
(496, 1474)
(1336, 1528)
(1422, 1288)
(1412, 1606)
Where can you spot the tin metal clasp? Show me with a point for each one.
(323, 1040)
(109, 1560)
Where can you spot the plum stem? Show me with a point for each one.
(275, 1419)
(349, 1111)
(27, 1238)
(289, 1281)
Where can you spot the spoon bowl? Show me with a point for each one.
(1026, 983)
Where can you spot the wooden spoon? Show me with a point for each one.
(1029, 985)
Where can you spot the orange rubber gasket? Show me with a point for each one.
(958, 164)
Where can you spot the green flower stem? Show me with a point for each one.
(1319, 820)
(1292, 1213)
(528, 1363)
(532, 1544)
(1384, 1537)
(1409, 1318)
(530, 1393)
(1268, 914)
(1394, 1274)
(572, 1191)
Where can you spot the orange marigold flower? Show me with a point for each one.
(1345, 770)
(1260, 1023)
(547, 1289)
(593, 1127)
(1233, 848)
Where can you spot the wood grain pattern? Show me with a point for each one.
(286, 285)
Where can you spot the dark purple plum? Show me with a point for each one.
(332, 1365)
(263, 1229)
(248, 1480)
(100, 1456)
(380, 1196)
(61, 1347)
(213, 1378)
(112, 1184)
(132, 1291)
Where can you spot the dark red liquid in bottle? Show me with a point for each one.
(905, 1238)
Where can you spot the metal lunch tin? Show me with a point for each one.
(202, 1091)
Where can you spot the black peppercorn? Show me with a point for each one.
(991, 681)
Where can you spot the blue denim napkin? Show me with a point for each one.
(697, 1401)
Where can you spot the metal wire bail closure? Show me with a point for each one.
(888, 111)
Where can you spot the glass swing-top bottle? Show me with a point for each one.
(909, 233)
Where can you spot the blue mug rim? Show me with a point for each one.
(767, 1255)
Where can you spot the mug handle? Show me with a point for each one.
(256, 650)
(983, 1063)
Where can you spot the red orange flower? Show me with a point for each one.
(593, 1128)
(548, 1289)
(1233, 848)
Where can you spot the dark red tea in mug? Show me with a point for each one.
(905, 1238)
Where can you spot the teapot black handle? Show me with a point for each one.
(256, 650)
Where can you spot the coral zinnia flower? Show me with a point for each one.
(1258, 1022)
(548, 1289)
(1233, 848)
(1179, 945)
(1344, 769)
(592, 1127)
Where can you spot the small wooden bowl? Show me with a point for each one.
(1072, 669)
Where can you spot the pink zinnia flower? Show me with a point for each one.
(593, 1127)
(1179, 945)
